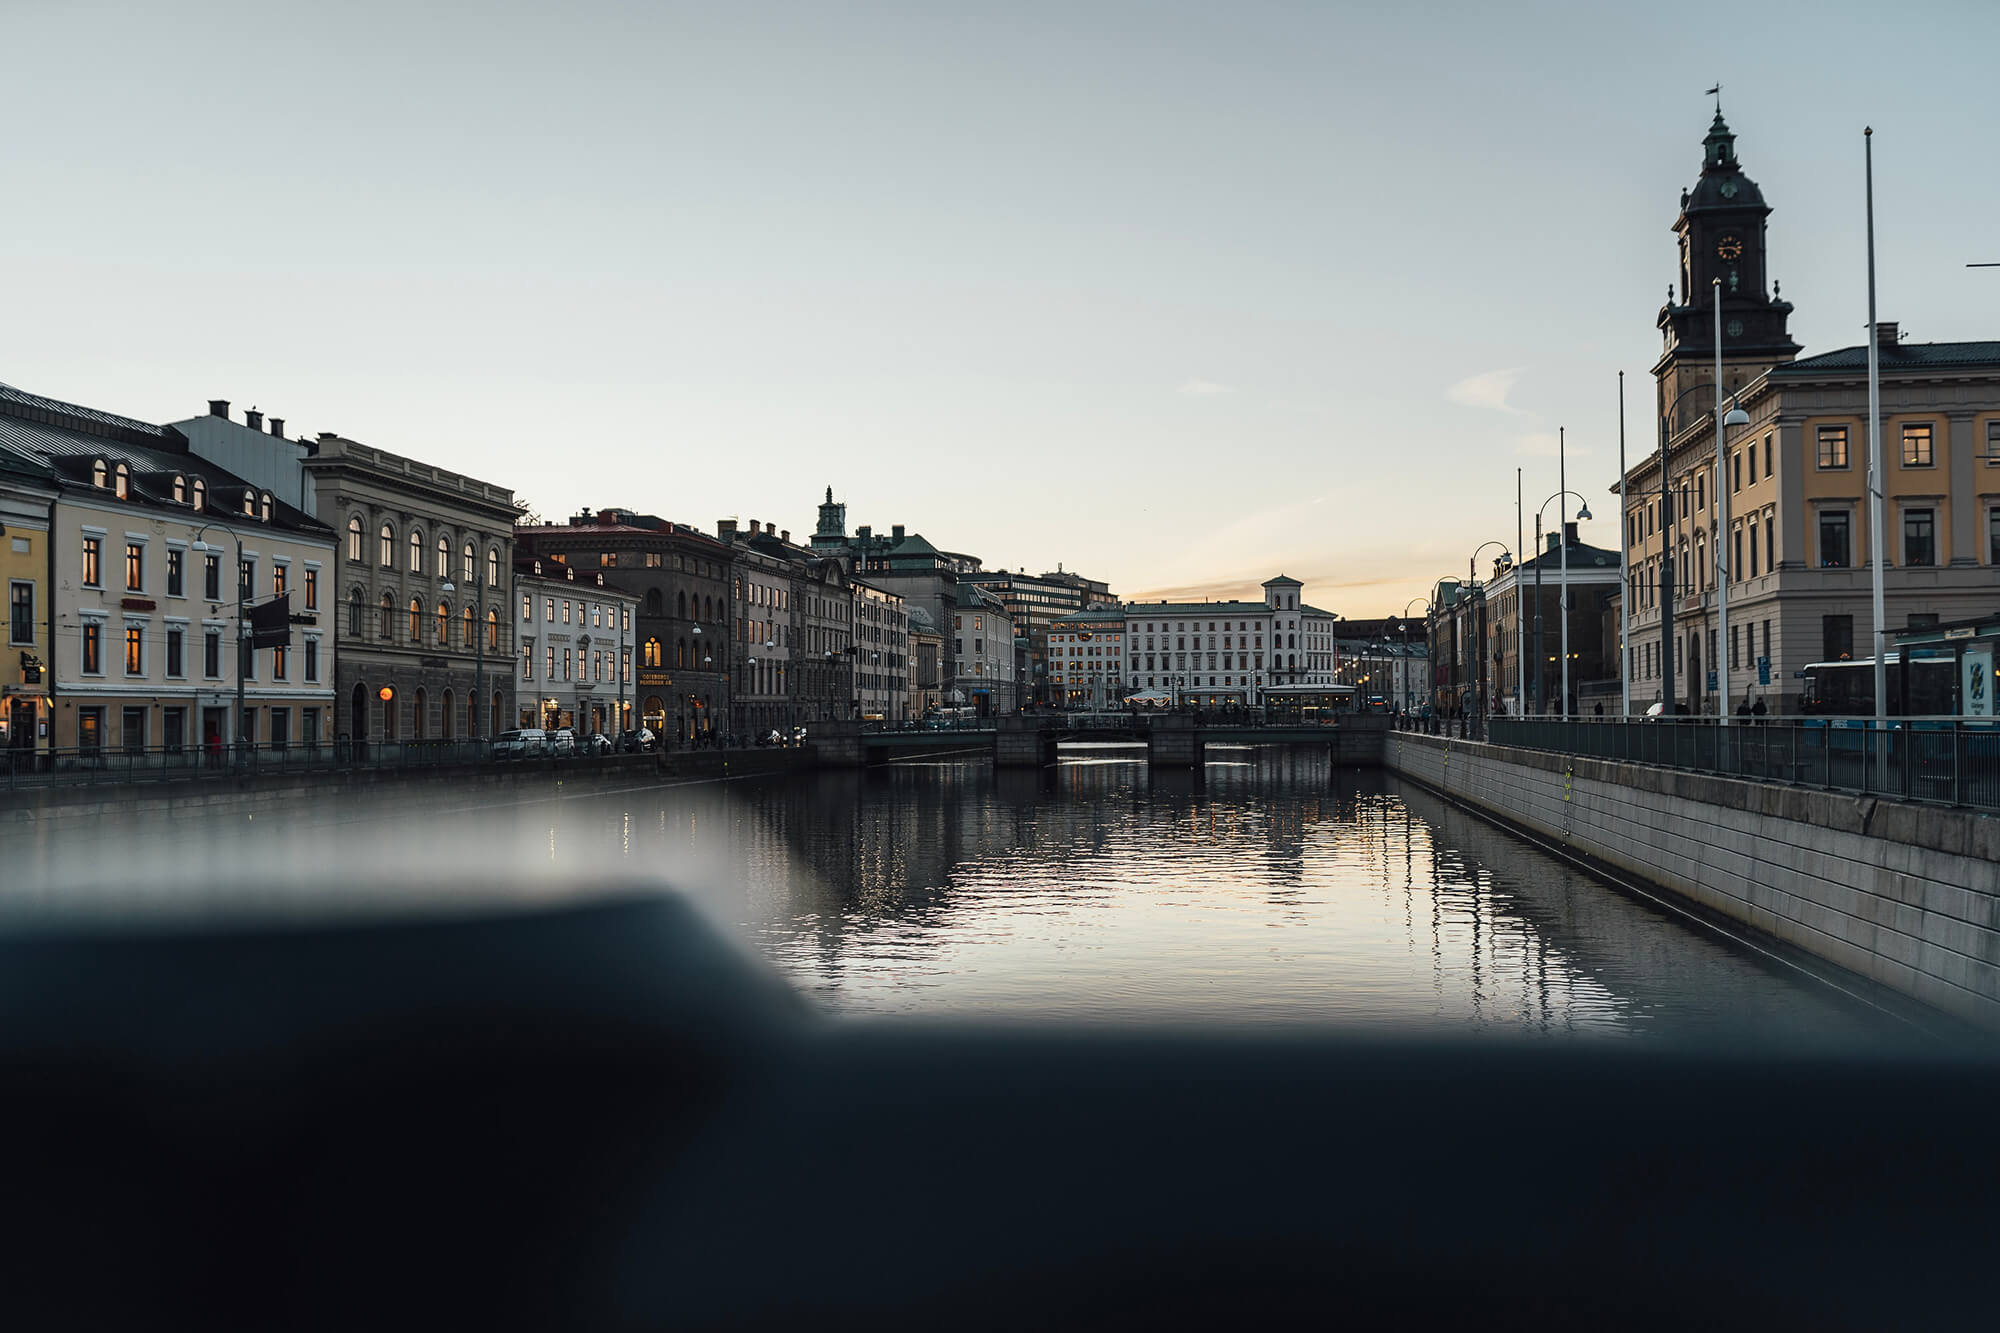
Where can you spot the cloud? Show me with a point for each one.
(1203, 388)
(1488, 390)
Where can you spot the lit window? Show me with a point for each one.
(1917, 445)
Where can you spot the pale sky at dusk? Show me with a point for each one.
(1177, 295)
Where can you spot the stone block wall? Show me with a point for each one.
(1903, 894)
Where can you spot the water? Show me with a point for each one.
(1269, 890)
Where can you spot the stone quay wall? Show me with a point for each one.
(1905, 895)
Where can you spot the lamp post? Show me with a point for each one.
(242, 623)
(1402, 624)
(1736, 417)
(1472, 581)
(1562, 541)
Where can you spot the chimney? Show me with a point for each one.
(219, 407)
(754, 527)
(278, 427)
(607, 517)
(326, 435)
(1885, 333)
(254, 419)
(863, 533)
(1551, 541)
(725, 528)
(786, 536)
(770, 529)
(897, 533)
(1569, 534)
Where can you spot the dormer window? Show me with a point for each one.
(98, 473)
(264, 506)
(121, 482)
(180, 489)
(198, 494)
(250, 504)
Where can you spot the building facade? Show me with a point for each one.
(155, 553)
(575, 637)
(881, 654)
(826, 684)
(764, 631)
(926, 655)
(680, 578)
(27, 499)
(424, 650)
(981, 646)
(1208, 654)
(1517, 635)
(1783, 521)
(1086, 659)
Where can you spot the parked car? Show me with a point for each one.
(562, 742)
(636, 742)
(528, 743)
(599, 743)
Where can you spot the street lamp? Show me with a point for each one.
(1736, 417)
(242, 621)
(1562, 541)
(1472, 581)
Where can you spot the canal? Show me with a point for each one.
(1267, 890)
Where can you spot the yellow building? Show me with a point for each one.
(27, 495)
(1788, 513)
(152, 548)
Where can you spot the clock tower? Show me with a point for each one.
(1722, 233)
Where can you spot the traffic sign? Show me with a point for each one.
(1763, 671)
(1711, 680)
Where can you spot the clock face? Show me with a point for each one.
(1729, 189)
(1735, 327)
(1729, 247)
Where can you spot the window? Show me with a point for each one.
(1700, 490)
(387, 628)
(1833, 544)
(443, 623)
(176, 572)
(354, 613)
(1753, 548)
(279, 663)
(1768, 461)
(1833, 446)
(651, 654)
(93, 648)
(354, 538)
(211, 577)
(465, 563)
(1993, 441)
(312, 659)
(1993, 536)
(135, 567)
(21, 610)
(200, 494)
(93, 557)
(176, 652)
(135, 650)
(527, 659)
(180, 491)
(264, 506)
(280, 576)
(211, 653)
(416, 551)
(312, 588)
(549, 672)
(549, 609)
(416, 621)
(98, 473)
(493, 631)
(1736, 471)
(1770, 540)
(1917, 445)
(121, 482)
(1735, 556)
(493, 567)
(1836, 638)
(387, 540)
(246, 579)
(444, 557)
(1919, 537)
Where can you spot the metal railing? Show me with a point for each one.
(113, 765)
(1940, 761)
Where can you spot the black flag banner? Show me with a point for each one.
(271, 623)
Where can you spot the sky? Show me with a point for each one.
(1177, 296)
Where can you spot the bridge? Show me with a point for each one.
(1172, 740)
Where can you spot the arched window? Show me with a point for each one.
(388, 553)
(419, 710)
(465, 564)
(357, 708)
(492, 631)
(121, 482)
(180, 489)
(492, 566)
(98, 474)
(680, 654)
(264, 506)
(354, 614)
(416, 550)
(468, 640)
(249, 503)
(388, 625)
(198, 495)
(354, 538)
(681, 605)
(444, 556)
(444, 716)
(653, 602)
(708, 609)
(444, 623)
(652, 654)
(416, 621)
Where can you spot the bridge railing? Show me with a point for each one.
(23, 768)
(1913, 759)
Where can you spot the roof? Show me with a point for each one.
(1311, 610)
(83, 420)
(1196, 609)
(1582, 555)
(1894, 357)
(1103, 615)
(1282, 581)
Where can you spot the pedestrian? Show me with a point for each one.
(1599, 710)
(1759, 711)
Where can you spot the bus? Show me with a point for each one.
(1847, 689)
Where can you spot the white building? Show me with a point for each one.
(575, 636)
(982, 640)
